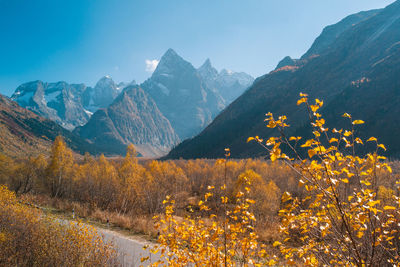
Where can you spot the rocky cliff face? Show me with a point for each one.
(102, 94)
(228, 84)
(70, 105)
(357, 71)
(133, 117)
(24, 133)
(60, 102)
(182, 96)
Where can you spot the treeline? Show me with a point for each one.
(128, 192)
(133, 188)
(127, 186)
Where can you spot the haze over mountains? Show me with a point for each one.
(175, 103)
(354, 66)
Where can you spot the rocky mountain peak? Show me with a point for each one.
(171, 63)
(106, 81)
(123, 85)
(207, 71)
(60, 101)
(170, 53)
(207, 64)
(133, 117)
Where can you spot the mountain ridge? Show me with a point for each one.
(356, 59)
(23, 132)
(133, 117)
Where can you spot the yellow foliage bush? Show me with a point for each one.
(344, 220)
(28, 238)
(207, 239)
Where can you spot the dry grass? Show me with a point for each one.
(134, 224)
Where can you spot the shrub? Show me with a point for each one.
(28, 238)
(206, 239)
(341, 221)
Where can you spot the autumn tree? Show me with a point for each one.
(60, 168)
(341, 221)
(207, 239)
(7, 166)
(129, 172)
(96, 183)
(170, 179)
(27, 173)
(266, 194)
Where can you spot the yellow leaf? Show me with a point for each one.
(277, 243)
(358, 122)
(301, 100)
(308, 143)
(389, 238)
(346, 115)
(275, 154)
(345, 180)
(389, 208)
(271, 124)
(311, 153)
(144, 259)
(382, 146)
(373, 203)
(333, 140)
(316, 134)
(347, 133)
(388, 168)
(303, 95)
(314, 108)
(358, 140)
(286, 197)
(372, 139)
(250, 139)
(365, 182)
(374, 210)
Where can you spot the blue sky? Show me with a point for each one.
(83, 40)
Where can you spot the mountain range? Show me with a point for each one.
(191, 98)
(175, 103)
(133, 117)
(23, 132)
(70, 105)
(354, 66)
